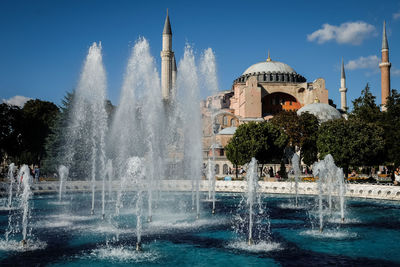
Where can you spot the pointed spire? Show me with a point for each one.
(384, 38)
(269, 58)
(343, 74)
(167, 25)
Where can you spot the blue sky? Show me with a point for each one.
(43, 43)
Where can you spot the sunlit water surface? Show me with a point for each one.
(65, 234)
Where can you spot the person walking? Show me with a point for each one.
(397, 176)
(37, 173)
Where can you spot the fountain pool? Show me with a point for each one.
(67, 235)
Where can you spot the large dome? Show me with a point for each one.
(323, 112)
(271, 72)
(269, 66)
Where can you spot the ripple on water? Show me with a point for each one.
(53, 224)
(69, 217)
(159, 225)
(262, 246)
(59, 203)
(13, 245)
(2, 208)
(292, 206)
(123, 254)
(330, 234)
(346, 221)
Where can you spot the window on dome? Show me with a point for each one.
(225, 118)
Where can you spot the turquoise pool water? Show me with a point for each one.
(64, 234)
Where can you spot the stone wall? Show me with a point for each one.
(386, 192)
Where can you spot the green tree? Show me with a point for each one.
(391, 125)
(55, 142)
(302, 132)
(264, 141)
(365, 109)
(309, 126)
(351, 142)
(242, 146)
(271, 142)
(39, 117)
(289, 123)
(61, 149)
(10, 132)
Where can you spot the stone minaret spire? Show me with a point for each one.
(385, 69)
(167, 56)
(343, 89)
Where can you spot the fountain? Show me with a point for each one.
(211, 183)
(109, 174)
(331, 185)
(88, 122)
(26, 181)
(208, 70)
(63, 174)
(188, 87)
(136, 174)
(252, 185)
(11, 178)
(297, 172)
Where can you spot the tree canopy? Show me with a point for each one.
(391, 125)
(264, 141)
(23, 131)
(351, 142)
(302, 132)
(364, 107)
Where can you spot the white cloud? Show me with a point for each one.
(396, 15)
(369, 62)
(395, 72)
(17, 100)
(346, 33)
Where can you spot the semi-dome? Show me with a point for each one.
(228, 131)
(323, 112)
(269, 66)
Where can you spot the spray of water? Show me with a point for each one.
(296, 168)
(109, 174)
(188, 86)
(252, 185)
(89, 117)
(331, 186)
(26, 181)
(63, 174)
(11, 169)
(208, 70)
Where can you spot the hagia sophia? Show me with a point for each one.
(263, 90)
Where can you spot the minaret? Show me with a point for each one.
(343, 89)
(174, 73)
(385, 69)
(167, 56)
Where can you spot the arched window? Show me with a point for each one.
(225, 168)
(225, 120)
(233, 123)
(216, 169)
